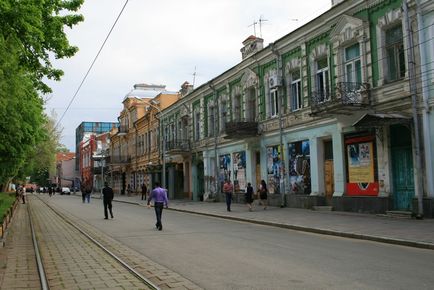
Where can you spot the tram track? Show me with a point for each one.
(45, 281)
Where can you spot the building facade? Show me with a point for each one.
(86, 128)
(136, 148)
(65, 169)
(332, 113)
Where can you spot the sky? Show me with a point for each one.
(160, 42)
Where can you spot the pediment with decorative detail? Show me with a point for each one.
(184, 112)
(347, 29)
(249, 79)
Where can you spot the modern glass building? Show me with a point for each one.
(90, 127)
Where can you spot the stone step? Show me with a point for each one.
(322, 208)
(399, 214)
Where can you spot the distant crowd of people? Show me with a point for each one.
(159, 195)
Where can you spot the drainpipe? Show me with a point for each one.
(412, 80)
(216, 128)
(282, 166)
(425, 108)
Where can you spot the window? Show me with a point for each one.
(197, 126)
(395, 54)
(274, 102)
(211, 121)
(296, 103)
(223, 116)
(353, 67)
(322, 80)
(237, 108)
(251, 105)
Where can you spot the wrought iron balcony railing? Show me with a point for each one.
(122, 130)
(178, 145)
(342, 99)
(119, 159)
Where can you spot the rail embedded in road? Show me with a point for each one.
(95, 257)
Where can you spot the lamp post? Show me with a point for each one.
(152, 103)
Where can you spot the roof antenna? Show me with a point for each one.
(260, 24)
(194, 76)
(254, 26)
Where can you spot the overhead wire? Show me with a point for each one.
(91, 66)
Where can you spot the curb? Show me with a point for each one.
(380, 239)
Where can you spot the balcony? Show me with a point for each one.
(240, 129)
(122, 130)
(97, 170)
(118, 159)
(178, 146)
(344, 99)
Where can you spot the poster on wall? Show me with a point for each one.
(239, 159)
(224, 169)
(273, 169)
(299, 167)
(361, 171)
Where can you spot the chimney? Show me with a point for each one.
(186, 88)
(252, 45)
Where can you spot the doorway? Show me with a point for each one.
(402, 167)
(329, 177)
(257, 168)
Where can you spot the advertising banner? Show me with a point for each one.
(361, 167)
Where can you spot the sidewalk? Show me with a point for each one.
(406, 232)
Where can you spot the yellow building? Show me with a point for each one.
(135, 146)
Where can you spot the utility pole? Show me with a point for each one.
(412, 79)
(282, 171)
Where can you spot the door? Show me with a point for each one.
(200, 180)
(402, 167)
(403, 181)
(329, 176)
(258, 169)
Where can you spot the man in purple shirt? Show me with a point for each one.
(159, 195)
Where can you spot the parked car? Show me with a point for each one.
(65, 190)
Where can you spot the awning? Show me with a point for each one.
(371, 120)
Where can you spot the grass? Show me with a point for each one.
(6, 201)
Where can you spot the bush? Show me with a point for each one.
(6, 201)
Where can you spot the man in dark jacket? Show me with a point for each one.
(107, 197)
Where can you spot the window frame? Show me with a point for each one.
(322, 74)
(296, 98)
(274, 102)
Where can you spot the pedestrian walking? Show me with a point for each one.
(159, 195)
(107, 197)
(22, 193)
(50, 191)
(88, 192)
(129, 190)
(144, 191)
(249, 196)
(83, 193)
(228, 188)
(263, 194)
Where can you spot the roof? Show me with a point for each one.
(65, 156)
(377, 120)
(145, 91)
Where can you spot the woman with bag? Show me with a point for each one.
(263, 194)
(249, 196)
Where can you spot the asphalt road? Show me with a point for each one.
(223, 254)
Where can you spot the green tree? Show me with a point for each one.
(42, 160)
(30, 30)
(36, 27)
